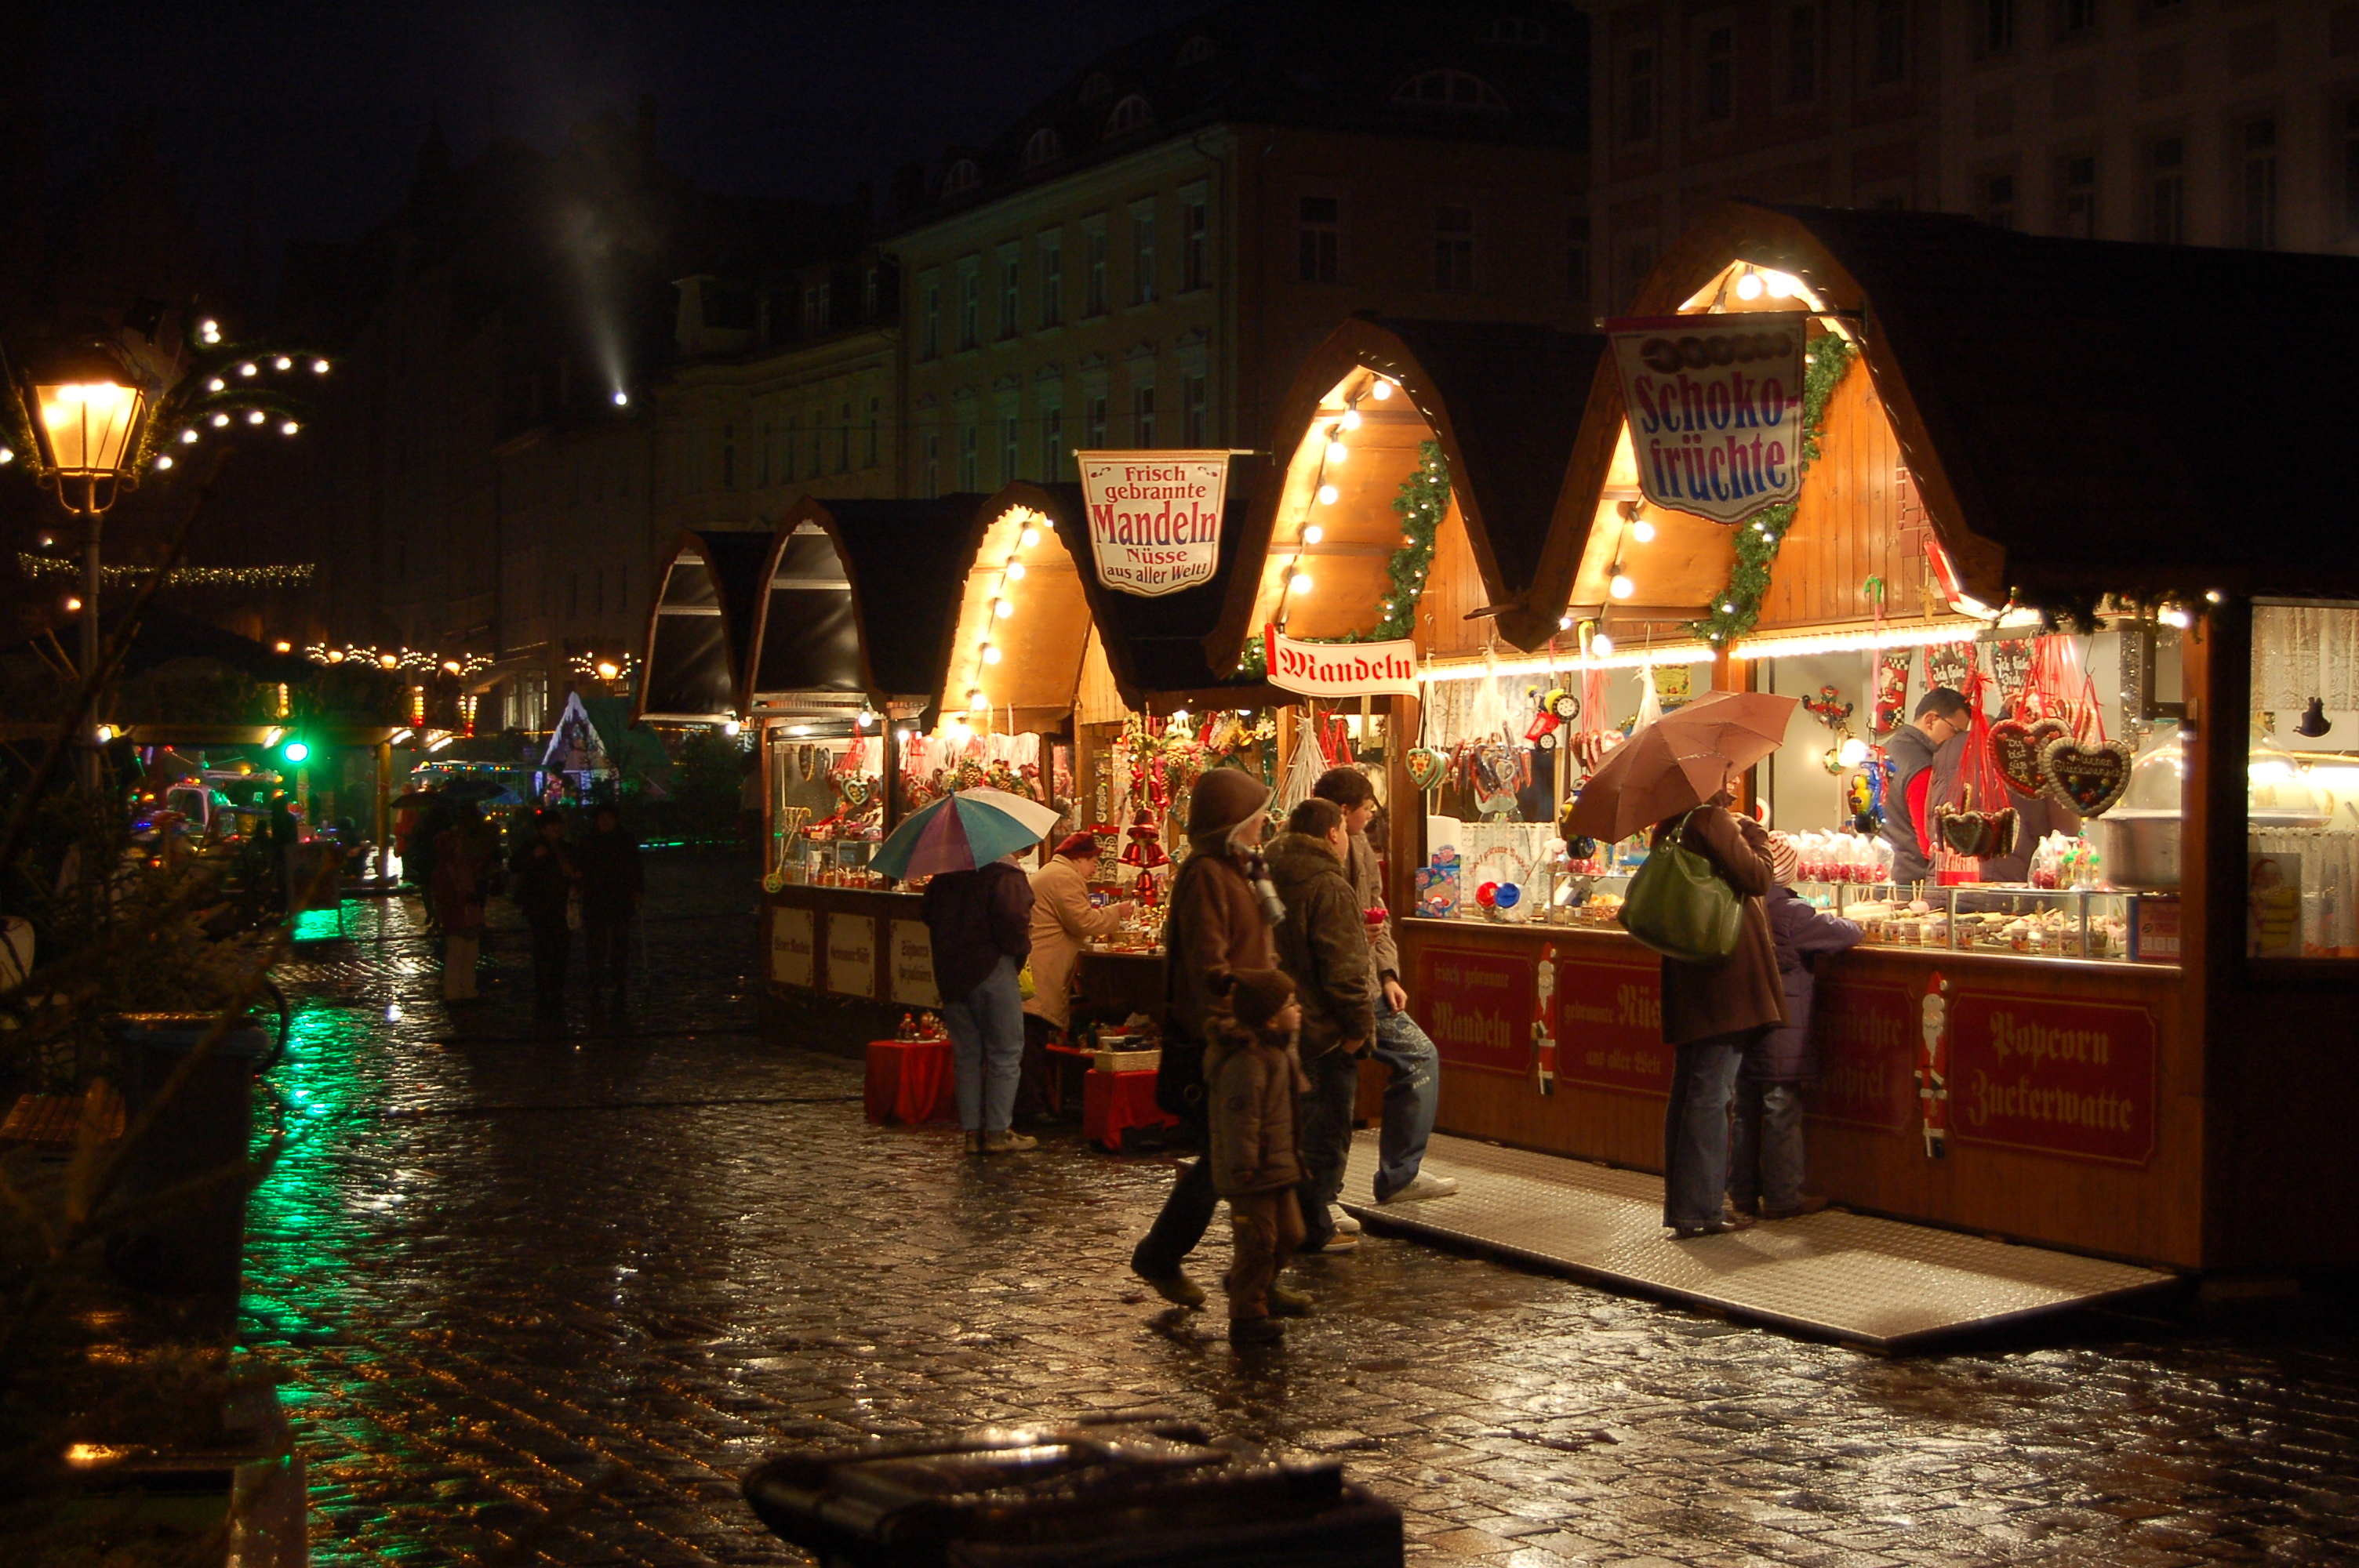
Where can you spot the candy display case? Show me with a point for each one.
(2014, 921)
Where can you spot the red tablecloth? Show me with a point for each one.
(911, 1081)
(1112, 1103)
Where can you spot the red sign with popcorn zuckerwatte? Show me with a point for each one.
(2052, 1076)
(1477, 1004)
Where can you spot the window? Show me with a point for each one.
(1011, 431)
(1132, 113)
(1195, 410)
(2167, 191)
(970, 307)
(2350, 168)
(1094, 281)
(1321, 224)
(1052, 280)
(1994, 27)
(1094, 420)
(1638, 95)
(1998, 200)
(2076, 198)
(1453, 249)
(1096, 85)
(970, 456)
(1451, 90)
(1044, 145)
(1052, 443)
(1195, 244)
(933, 464)
(1801, 54)
(1142, 413)
(1142, 256)
(1576, 258)
(1011, 278)
(1637, 261)
(2257, 185)
(929, 322)
(1888, 54)
(2076, 19)
(815, 308)
(962, 176)
(843, 439)
(1195, 52)
(728, 457)
(875, 407)
(1718, 100)
(787, 453)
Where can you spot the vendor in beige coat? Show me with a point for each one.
(1062, 919)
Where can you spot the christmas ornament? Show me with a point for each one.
(1425, 768)
(2087, 779)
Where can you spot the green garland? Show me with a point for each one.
(1757, 537)
(1422, 503)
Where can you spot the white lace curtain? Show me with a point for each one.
(2300, 652)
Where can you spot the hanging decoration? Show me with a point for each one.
(1421, 503)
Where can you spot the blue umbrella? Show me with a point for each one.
(961, 831)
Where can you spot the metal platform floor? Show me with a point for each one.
(1878, 1283)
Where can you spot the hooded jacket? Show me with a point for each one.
(1804, 936)
(1911, 752)
(1323, 943)
(1251, 1082)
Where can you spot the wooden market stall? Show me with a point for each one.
(2002, 420)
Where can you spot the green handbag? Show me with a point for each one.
(1680, 906)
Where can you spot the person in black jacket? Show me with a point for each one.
(611, 882)
(981, 923)
(544, 873)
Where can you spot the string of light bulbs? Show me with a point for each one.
(999, 606)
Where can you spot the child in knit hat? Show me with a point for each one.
(1252, 1080)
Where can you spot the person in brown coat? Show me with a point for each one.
(1711, 1013)
(1252, 1078)
(1219, 920)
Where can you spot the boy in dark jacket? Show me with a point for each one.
(1252, 1078)
(1765, 1168)
(1323, 942)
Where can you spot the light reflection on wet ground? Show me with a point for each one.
(545, 1297)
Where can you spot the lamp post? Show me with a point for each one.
(87, 412)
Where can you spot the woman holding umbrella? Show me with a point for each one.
(978, 913)
(1677, 776)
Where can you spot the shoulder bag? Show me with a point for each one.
(1679, 904)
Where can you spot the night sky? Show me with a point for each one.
(308, 116)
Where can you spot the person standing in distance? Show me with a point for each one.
(1405, 1049)
(980, 923)
(1907, 821)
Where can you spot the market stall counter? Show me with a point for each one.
(865, 949)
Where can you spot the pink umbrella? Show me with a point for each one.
(1679, 762)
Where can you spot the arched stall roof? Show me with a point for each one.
(1503, 401)
(702, 626)
(2077, 416)
(1160, 650)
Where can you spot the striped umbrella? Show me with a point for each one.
(961, 831)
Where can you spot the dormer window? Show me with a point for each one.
(964, 176)
(1195, 52)
(1044, 145)
(1132, 113)
(1095, 86)
(1451, 90)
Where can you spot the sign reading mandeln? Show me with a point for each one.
(1155, 517)
(1340, 669)
(1715, 407)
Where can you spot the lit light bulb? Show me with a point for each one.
(282, 363)
(220, 420)
(1643, 531)
(974, 697)
(1853, 751)
(1780, 286)
(1728, 610)
(1601, 644)
(216, 384)
(1564, 622)
(283, 646)
(1351, 420)
(1748, 285)
(72, 604)
(1327, 494)
(209, 331)
(1313, 533)
(1015, 570)
(163, 461)
(991, 653)
(1178, 716)
(1337, 453)
(2173, 615)
(731, 728)
(1301, 582)
(608, 669)
(622, 398)
(319, 367)
(188, 437)
(289, 427)
(6, 455)
(388, 660)
(254, 415)
(248, 368)
(1621, 587)
(48, 539)
(1381, 389)
(451, 666)
(1002, 608)
(1031, 536)
(393, 1012)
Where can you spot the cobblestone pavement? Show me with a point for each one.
(543, 1298)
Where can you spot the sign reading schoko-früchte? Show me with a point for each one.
(1340, 669)
(1715, 407)
(1155, 517)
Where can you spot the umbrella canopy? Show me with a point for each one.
(1679, 762)
(961, 831)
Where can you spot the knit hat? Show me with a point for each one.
(1783, 859)
(1224, 797)
(1082, 845)
(1259, 995)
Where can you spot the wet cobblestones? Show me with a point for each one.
(544, 1297)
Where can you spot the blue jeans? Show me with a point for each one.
(1409, 1098)
(987, 1049)
(1766, 1162)
(1695, 1129)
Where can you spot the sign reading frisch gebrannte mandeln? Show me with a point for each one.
(1715, 407)
(1340, 669)
(1155, 517)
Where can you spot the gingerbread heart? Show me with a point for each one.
(2086, 779)
(854, 788)
(2015, 749)
(1424, 767)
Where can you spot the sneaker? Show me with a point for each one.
(1726, 1223)
(1809, 1202)
(1256, 1331)
(1284, 1302)
(1418, 1188)
(1007, 1143)
(1342, 1224)
(1175, 1287)
(1339, 1242)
